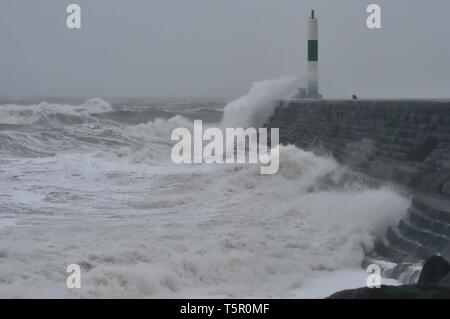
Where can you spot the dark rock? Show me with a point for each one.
(445, 281)
(434, 270)
(419, 291)
(446, 187)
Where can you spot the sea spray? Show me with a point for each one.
(160, 230)
(254, 108)
(45, 112)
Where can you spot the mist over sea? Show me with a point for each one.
(92, 183)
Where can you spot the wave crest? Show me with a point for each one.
(17, 114)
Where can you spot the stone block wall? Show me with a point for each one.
(406, 141)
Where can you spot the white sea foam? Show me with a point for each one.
(254, 108)
(111, 200)
(144, 231)
(30, 114)
(158, 129)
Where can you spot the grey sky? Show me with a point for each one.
(208, 48)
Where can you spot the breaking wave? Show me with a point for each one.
(45, 112)
(216, 231)
(100, 191)
(254, 108)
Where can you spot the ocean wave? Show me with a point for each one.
(254, 108)
(112, 201)
(45, 112)
(23, 145)
(192, 231)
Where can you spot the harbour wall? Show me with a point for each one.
(406, 141)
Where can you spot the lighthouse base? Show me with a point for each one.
(304, 95)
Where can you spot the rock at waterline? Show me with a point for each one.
(446, 281)
(434, 270)
(434, 283)
(419, 291)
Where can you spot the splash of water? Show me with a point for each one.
(254, 108)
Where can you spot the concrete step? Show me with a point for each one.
(413, 250)
(423, 221)
(432, 241)
(386, 250)
(424, 232)
(436, 208)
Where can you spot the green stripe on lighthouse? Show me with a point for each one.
(313, 50)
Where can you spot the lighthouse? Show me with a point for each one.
(312, 88)
(313, 57)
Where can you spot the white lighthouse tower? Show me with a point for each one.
(312, 89)
(313, 57)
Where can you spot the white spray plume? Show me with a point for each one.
(254, 108)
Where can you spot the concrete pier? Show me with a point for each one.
(403, 141)
(406, 141)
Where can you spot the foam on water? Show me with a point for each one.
(44, 112)
(254, 108)
(143, 231)
(109, 199)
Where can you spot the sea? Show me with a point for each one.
(91, 182)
